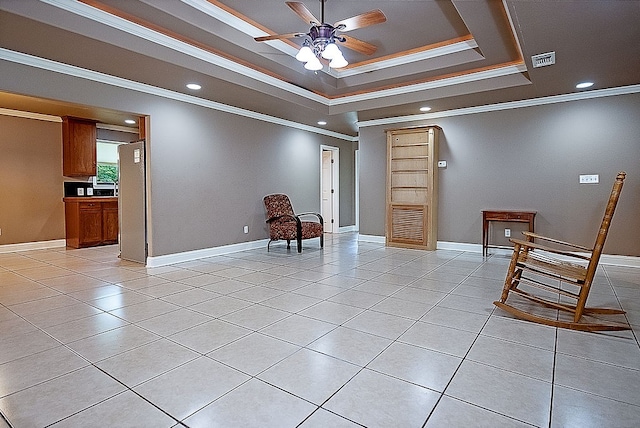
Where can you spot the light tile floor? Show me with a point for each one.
(356, 334)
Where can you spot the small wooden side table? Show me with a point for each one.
(504, 216)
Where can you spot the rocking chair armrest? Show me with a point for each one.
(556, 241)
(533, 245)
(315, 214)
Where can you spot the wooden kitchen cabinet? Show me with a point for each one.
(78, 147)
(89, 224)
(110, 222)
(91, 221)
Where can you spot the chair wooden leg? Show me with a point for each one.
(511, 274)
(322, 241)
(288, 244)
(299, 244)
(582, 301)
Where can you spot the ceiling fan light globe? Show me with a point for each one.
(338, 62)
(313, 64)
(331, 51)
(305, 54)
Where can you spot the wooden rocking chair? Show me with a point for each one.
(534, 265)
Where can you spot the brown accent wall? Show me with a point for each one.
(31, 189)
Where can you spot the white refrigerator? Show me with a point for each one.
(132, 204)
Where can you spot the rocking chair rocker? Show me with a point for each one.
(546, 267)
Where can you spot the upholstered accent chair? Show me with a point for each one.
(284, 224)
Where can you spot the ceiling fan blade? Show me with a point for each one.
(301, 10)
(363, 20)
(279, 36)
(358, 45)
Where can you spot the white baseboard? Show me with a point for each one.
(372, 238)
(605, 259)
(28, 246)
(187, 256)
(459, 246)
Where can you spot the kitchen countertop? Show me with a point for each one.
(89, 198)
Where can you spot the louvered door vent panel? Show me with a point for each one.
(408, 225)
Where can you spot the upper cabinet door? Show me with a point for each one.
(78, 147)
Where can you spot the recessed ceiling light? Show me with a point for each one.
(193, 86)
(584, 85)
(322, 122)
(425, 108)
(130, 121)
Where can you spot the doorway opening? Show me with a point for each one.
(329, 185)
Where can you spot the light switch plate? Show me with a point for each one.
(80, 191)
(589, 178)
(442, 164)
(89, 191)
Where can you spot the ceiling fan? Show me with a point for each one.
(321, 38)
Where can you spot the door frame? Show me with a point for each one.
(335, 184)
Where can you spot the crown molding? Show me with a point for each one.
(71, 70)
(405, 59)
(160, 39)
(433, 84)
(532, 102)
(216, 12)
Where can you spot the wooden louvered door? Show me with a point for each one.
(412, 187)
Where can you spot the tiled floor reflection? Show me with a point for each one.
(356, 334)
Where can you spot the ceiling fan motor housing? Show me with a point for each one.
(323, 32)
(321, 36)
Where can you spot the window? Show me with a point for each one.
(107, 156)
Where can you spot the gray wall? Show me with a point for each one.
(527, 158)
(210, 173)
(209, 169)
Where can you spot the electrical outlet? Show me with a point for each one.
(442, 164)
(246, 229)
(507, 233)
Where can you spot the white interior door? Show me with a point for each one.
(327, 197)
(329, 188)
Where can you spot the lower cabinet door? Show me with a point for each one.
(90, 227)
(110, 223)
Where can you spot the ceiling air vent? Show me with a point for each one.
(542, 60)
